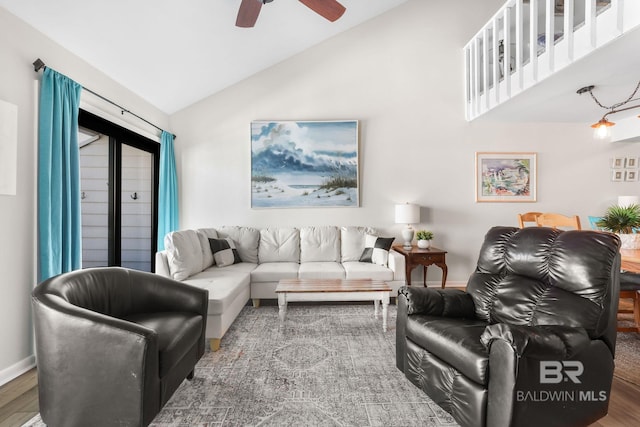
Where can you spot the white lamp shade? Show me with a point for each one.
(407, 214)
(624, 201)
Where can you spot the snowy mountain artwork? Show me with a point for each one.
(298, 164)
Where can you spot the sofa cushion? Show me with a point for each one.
(224, 285)
(279, 245)
(184, 253)
(319, 244)
(352, 241)
(376, 249)
(224, 252)
(177, 334)
(246, 240)
(365, 270)
(274, 271)
(242, 268)
(456, 341)
(321, 270)
(205, 234)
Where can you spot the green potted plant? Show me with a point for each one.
(424, 238)
(623, 220)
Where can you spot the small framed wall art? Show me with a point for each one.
(506, 177)
(304, 164)
(617, 162)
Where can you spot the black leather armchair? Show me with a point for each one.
(531, 341)
(113, 345)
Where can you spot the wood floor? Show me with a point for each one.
(19, 403)
(19, 400)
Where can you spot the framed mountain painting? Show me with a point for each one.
(304, 164)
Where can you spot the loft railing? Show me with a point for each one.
(526, 41)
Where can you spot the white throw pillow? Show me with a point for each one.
(184, 253)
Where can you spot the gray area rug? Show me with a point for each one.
(627, 352)
(628, 357)
(329, 365)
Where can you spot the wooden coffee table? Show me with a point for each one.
(334, 290)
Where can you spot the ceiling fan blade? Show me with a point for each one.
(248, 13)
(330, 9)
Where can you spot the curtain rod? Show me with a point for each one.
(38, 65)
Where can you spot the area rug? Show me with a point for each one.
(627, 352)
(628, 357)
(329, 365)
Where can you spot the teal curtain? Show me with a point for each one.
(168, 189)
(59, 218)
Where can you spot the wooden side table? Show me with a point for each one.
(425, 257)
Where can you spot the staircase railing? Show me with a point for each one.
(526, 41)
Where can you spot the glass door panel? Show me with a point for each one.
(119, 173)
(136, 205)
(94, 194)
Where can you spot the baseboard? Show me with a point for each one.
(14, 371)
(437, 284)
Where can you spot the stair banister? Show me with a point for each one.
(504, 58)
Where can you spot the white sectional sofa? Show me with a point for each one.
(268, 255)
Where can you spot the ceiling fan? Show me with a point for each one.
(250, 9)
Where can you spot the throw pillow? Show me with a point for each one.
(376, 249)
(224, 252)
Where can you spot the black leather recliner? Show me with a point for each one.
(113, 345)
(531, 341)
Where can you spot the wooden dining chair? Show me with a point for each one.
(555, 220)
(528, 217)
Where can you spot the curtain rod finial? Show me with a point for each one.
(38, 65)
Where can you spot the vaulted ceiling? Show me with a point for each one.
(174, 53)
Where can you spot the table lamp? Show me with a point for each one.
(624, 201)
(407, 214)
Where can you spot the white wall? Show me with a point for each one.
(20, 46)
(401, 76)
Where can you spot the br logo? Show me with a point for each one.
(554, 372)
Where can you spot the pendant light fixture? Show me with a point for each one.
(603, 126)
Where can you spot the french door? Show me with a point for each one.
(119, 190)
